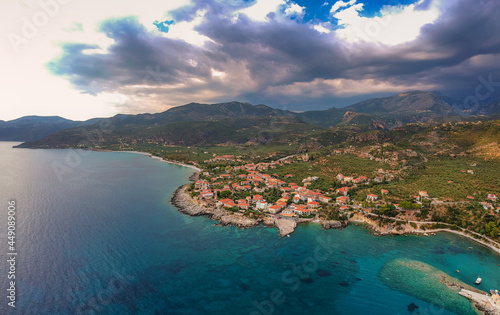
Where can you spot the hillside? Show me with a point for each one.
(185, 133)
(235, 122)
(31, 128)
(414, 102)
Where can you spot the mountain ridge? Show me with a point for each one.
(385, 112)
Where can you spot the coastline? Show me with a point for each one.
(185, 204)
(408, 229)
(490, 246)
(158, 158)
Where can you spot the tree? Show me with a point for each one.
(494, 232)
(224, 194)
(406, 204)
(491, 229)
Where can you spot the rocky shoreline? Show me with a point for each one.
(185, 204)
(480, 301)
(392, 229)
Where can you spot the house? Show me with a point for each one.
(207, 194)
(342, 191)
(223, 201)
(357, 180)
(258, 198)
(470, 197)
(344, 208)
(201, 184)
(230, 204)
(281, 203)
(492, 197)
(379, 179)
(340, 177)
(302, 211)
(287, 213)
(274, 209)
(384, 192)
(423, 194)
(261, 205)
(371, 197)
(313, 204)
(314, 195)
(324, 199)
(296, 199)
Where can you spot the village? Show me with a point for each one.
(249, 190)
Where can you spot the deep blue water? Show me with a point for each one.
(103, 239)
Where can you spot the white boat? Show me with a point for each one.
(478, 280)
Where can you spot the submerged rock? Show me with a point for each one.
(307, 280)
(412, 307)
(323, 273)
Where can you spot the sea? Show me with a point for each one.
(95, 233)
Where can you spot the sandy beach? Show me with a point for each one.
(161, 159)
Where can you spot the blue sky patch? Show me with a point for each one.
(163, 26)
(319, 10)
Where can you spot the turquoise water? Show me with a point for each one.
(103, 239)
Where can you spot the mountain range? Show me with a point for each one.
(235, 122)
(30, 128)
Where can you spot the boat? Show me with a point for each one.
(478, 280)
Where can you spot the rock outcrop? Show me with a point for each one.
(331, 224)
(238, 221)
(481, 301)
(285, 226)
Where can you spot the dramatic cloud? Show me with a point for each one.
(267, 51)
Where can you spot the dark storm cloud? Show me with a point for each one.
(449, 54)
(137, 57)
(276, 52)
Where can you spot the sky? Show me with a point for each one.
(84, 59)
